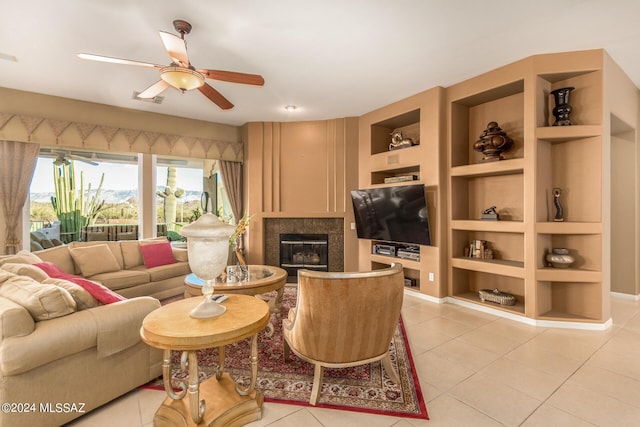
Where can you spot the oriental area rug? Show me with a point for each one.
(364, 388)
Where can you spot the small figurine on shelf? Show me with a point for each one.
(490, 214)
(493, 142)
(398, 141)
(556, 202)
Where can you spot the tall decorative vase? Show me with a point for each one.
(562, 109)
(208, 250)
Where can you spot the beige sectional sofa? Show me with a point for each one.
(62, 352)
(130, 277)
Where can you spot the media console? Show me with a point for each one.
(397, 250)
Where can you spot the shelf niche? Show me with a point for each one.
(585, 99)
(470, 116)
(585, 249)
(476, 193)
(408, 122)
(505, 246)
(467, 284)
(577, 301)
(575, 167)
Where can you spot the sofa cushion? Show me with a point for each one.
(59, 256)
(95, 259)
(5, 275)
(131, 254)
(42, 301)
(15, 320)
(122, 279)
(25, 270)
(164, 272)
(81, 296)
(157, 254)
(22, 257)
(180, 254)
(99, 292)
(114, 247)
(51, 340)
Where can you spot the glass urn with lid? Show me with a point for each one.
(208, 249)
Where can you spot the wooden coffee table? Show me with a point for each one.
(262, 279)
(217, 401)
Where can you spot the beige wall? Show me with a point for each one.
(300, 170)
(621, 210)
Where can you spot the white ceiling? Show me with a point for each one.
(331, 58)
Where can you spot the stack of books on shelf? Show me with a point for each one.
(478, 249)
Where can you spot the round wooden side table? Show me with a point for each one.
(217, 401)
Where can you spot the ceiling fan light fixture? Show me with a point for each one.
(182, 78)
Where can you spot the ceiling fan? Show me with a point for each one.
(180, 74)
(64, 157)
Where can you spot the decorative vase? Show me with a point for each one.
(208, 250)
(559, 258)
(493, 142)
(556, 202)
(562, 109)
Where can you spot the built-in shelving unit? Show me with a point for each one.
(420, 118)
(460, 185)
(543, 157)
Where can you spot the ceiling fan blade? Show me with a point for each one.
(233, 77)
(176, 48)
(100, 58)
(84, 159)
(154, 90)
(215, 96)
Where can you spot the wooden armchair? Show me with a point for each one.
(344, 319)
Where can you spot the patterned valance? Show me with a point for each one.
(69, 134)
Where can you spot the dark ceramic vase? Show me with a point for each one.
(562, 109)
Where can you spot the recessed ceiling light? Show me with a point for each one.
(290, 107)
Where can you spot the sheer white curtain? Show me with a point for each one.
(17, 163)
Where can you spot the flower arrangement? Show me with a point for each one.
(241, 228)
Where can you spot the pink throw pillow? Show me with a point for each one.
(157, 254)
(98, 291)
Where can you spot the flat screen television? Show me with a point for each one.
(393, 214)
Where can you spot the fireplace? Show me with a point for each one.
(331, 228)
(308, 251)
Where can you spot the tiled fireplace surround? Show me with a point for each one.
(334, 227)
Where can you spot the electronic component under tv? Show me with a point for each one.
(392, 214)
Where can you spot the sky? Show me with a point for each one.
(117, 176)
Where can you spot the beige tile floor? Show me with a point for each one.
(477, 369)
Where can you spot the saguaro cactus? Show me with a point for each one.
(170, 196)
(73, 210)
